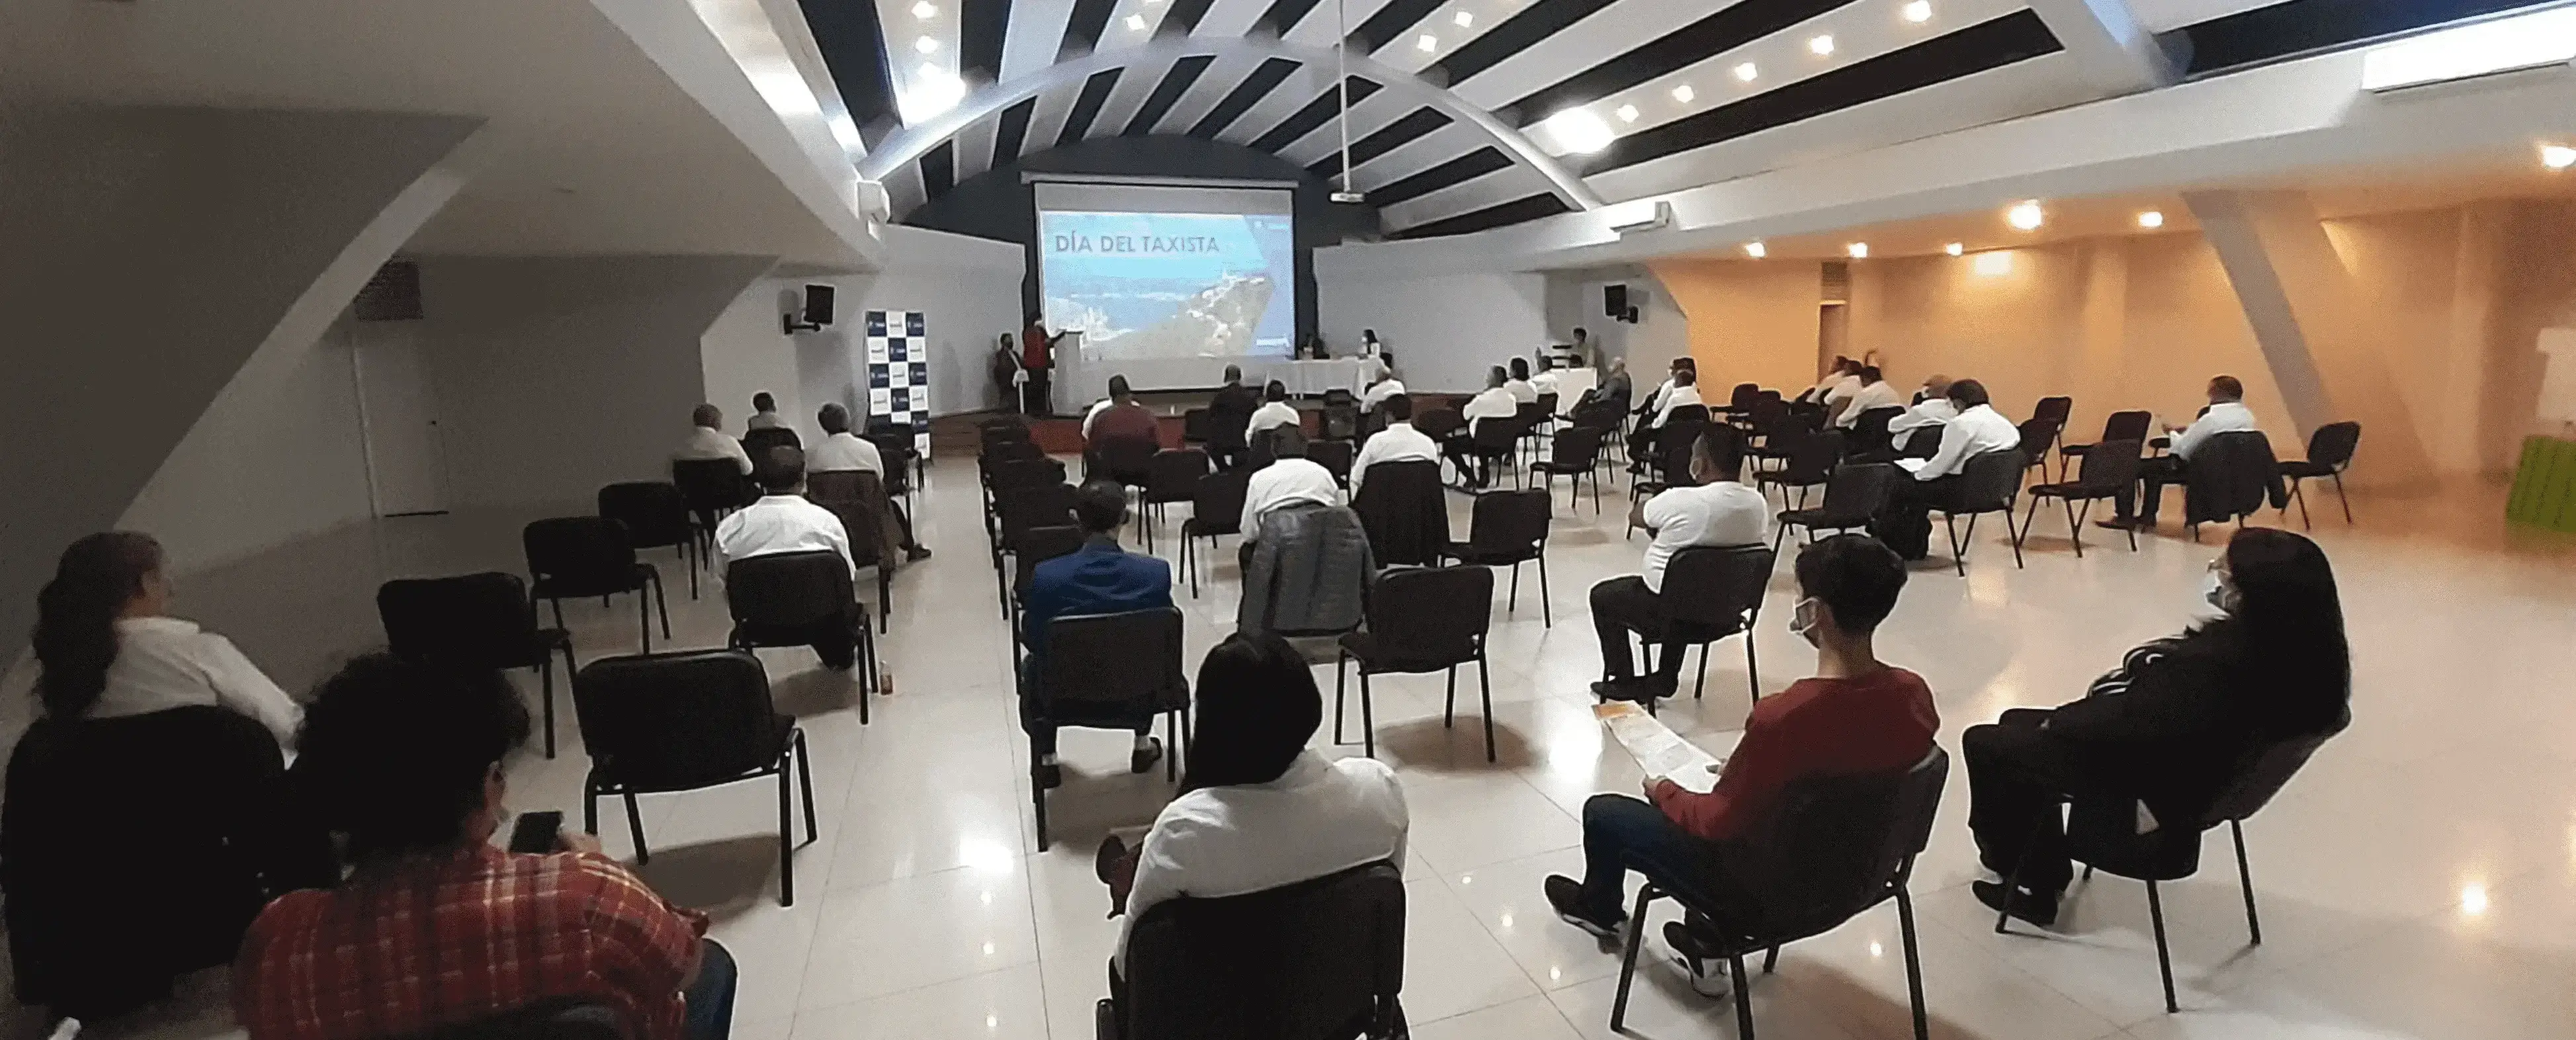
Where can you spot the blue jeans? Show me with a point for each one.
(710, 999)
(1621, 834)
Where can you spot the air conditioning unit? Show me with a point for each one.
(1656, 219)
(873, 202)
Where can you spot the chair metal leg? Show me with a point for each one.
(1485, 685)
(589, 808)
(2030, 521)
(786, 840)
(2339, 497)
(546, 672)
(1449, 706)
(1037, 793)
(635, 830)
(805, 783)
(1546, 614)
(1913, 964)
(1512, 601)
(1171, 747)
(1368, 717)
(1959, 553)
(1771, 961)
(1628, 960)
(2245, 877)
(1743, 999)
(2012, 879)
(661, 605)
(2164, 955)
(2074, 521)
(559, 621)
(1752, 674)
(2296, 483)
(644, 620)
(1701, 685)
(1341, 681)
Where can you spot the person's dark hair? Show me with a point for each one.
(782, 467)
(1233, 374)
(1723, 449)
(833, 418)
(1855, 575)
(397, 751)
(1118, 390)
(75, 638)
(1520, 368)
(1685, 377)
(1967, 393)
(2226, 388)
(1398, 407)
(1581, 331)
(1845, 364)
(2291, 656)
(707, 415)
(1257, 707)
(1276, 391)
(1871, 374)
(1100, 506)
(1686, 363)
(1496, 376)
(762, 402)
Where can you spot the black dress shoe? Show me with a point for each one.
(2123, 525)
(916, 554)
(1049, 775)
(1143, 758)
(2036, 908)
(1565, 895)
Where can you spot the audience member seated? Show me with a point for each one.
(1545, 380)
(1681, 391)
(435, 927)
(783, 521)
(1496, 403)
(1931, 407)
(1385, 387)
(1519, 383)
(707, 439)
(842, 451)
(1873, 393)
(105, 646)
(1906, 524)
(1858, 715)
(1840, 381)
(1399, 442)
(1274, 411)
(1230, 410)
(1121, 418)
(1258, 809)
(1616, 386)
(1100, 578)
(2154, 740)
(2226, 414)
(1654, 402)
(1293, 478)
(764, 413)
(1721, 511)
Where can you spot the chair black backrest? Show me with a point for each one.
(2333, 443)
(1991, 482)
(1689, 413)
(1858, 492)
(710, 484)
(1002, 428)
(1042, 505)
(581, 552)
(1316, 960)
(1128, 460)
(787, 589)
(1433, 614)
(2038, 434)
(1334, 456)
(758, 442)
(2110, 464)
(1038, 545)
(1173, 475)
(1510, 523)
(858, 498)
(1803, 415)
(1922, 443)
(1341, 419)
(1673, 451)
(2265, 771)
(1496, 435)
(1338, 395)
(653, 511)
(895, 449)
(1000, 453)
(2126, 426)
(545, 1020)
(1743, 396)
(1719, 586)
(1869, 431)
(2054, 409)
(1766, 413)
(1194, 426)
(1217, 506)
(469, 621)
(1284, 439)
(678, 720)
(1547, 403)
(1812, 457)
(1106, 660)
(1835, 845)
(2231, 475)
(1024, 473)
(1405, 512)
(1575, 448)
(1439, 423)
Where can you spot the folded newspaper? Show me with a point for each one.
(1660, 751)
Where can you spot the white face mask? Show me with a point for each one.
(1802, 621)
(2217, 593)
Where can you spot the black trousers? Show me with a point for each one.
(903, 522)
(2017, 777)
(1034, 394)
(1041, 725)
(836, 641)
(1461, 449)
(1905, 523)
(1623, 605)
(2153, 475)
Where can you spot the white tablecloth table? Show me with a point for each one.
(1310, 378)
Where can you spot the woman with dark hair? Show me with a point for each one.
(1258, 810)
(1522, 390)
(2160, 736)
(106, 647)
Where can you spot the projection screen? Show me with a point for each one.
(1168, 283)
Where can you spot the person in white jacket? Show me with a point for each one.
(106, 647)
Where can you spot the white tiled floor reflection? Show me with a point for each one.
(2419, 881)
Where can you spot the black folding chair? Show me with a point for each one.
(1574, 453)
(1812, 456)
(1216, 508)
(1420, 619)
(1105, 670)
(2329, 454)
(2037, 433)
(2109, 468)
(683, 721)
(1037, 545)
(1509, 528)
(1194, 426)
(474, 621)
(711, 488)
(1019, 509)
(1172, 475)
(795, 599)
(1989, 483)
(1321, 959)
(2120, 426)
(1710, 593)
(1853, 495)
(589, 556)
(858, 498)
(1335, 457)
(1672, 462)
(656, 516)
(1493, 442)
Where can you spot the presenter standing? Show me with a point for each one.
(1037, 358)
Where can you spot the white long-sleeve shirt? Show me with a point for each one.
(1875, 395)
(1933, 411)
(1318, 818)
(1677, 397)
(764, 421)
(1522, 391)
(1494, 403)
(842, 452)
(1093, 414)
(165, 662)
(1378, 394)
(1274, 413)
(1975, 432)
(708, 443)
(781, 524)
(1399, 442)
(1285, 482)
(1545, 383)
(2226, 417)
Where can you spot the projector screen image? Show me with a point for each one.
(1170, 285)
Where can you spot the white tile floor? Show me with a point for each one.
(2418, 881)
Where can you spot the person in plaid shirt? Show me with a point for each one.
(434, 926)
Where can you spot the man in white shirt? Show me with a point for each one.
(2226, 414)
(1519, 383)
(707, 439)
(1399, 442)
(1719, 511)
(1842, 380)
(1385, 387)
(764, 413)
(1546, 381)
(1495, 403)
(1274, 411)
(782, 521)
(1931, 407)
(1293, 478)
(1906, 524)
(1873, 393)
(841, 452)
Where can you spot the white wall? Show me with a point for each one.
(744, 353)
(1660, 334)
(1445, 330)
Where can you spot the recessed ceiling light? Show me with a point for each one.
(1747, 71)
(2557, 156)
(1955, 248)
(1578, 130)
(1427, 42)
(2025, 217)
(1627, 113)
(925, 9)
(1919, 11)
(1756, 250)
(1463, 19)
(2151, 219)
(1136, 22)
(1858, 250)
(1821, 45)
(933, 91)
(926, 45)
(1684, 93)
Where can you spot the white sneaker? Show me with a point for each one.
(1707, 978)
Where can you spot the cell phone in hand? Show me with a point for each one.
(538, 832)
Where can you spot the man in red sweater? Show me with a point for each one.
(1857, 715)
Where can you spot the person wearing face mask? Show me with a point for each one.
(1857, 715)
(2156, 739)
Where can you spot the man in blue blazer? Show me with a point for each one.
(1099, 578)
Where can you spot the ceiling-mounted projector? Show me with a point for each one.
(1350, 198)
(1659, 219)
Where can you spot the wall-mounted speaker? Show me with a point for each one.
(1614, 300)
(814, 315)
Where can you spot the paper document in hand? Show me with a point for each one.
(1658, 750)
(1912, 465)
